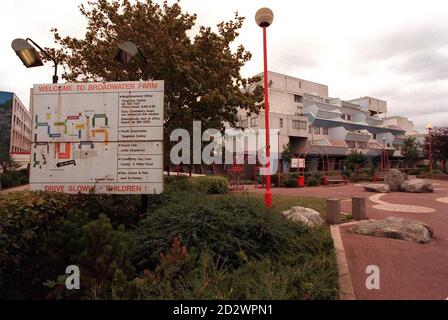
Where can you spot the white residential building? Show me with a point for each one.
(317, 125)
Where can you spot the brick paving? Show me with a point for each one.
(408, 270)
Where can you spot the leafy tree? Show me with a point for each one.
(201, 72)
(439, 141)
(6, 161)
(355, 159)
(410, 150)
(287, 153)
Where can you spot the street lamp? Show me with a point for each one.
(429, 127)
(124, 54)
(384, 154)
(128, 50)
(26, 51)
(264, 18)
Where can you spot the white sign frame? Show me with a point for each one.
(104, 138)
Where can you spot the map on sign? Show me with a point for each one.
(98, 137)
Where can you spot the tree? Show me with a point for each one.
(439, 138)
(6, 161)
(410, 150)
(201, 72)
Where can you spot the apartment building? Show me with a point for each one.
(15, 128)
(319, 126)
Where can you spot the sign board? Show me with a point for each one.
(298, 163)
(98, 137)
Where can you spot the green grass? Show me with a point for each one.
(281, 203)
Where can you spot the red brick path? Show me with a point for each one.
(407, 270)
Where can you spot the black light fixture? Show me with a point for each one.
(26, 51)
(128, 50)
(125, 52)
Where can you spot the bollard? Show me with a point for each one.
(333, 215)
(359, 208)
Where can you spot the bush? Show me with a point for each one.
(40, 236)
(237, 250)
(228, 228)
(211, 184)
(290, 182)
(312, 182)
(101, 252)
(12, 179)
(27, 220)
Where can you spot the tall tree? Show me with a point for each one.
(439, 139)
(7, 162)
(410, 150)
(201, 71)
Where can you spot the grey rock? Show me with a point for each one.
(394, 178)
(396, 228)
(417, 186)
(377, 187)
(305, 215)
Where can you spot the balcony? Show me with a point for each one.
(357, 136)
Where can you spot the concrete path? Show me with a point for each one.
(21, 188)
(407, 270)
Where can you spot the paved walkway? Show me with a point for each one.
(407, 270)
(21, 188)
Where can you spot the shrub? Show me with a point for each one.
(101, 252)
(289, 182)
(27, 219)
(230, 229)
(211, 184)
(12, 179)
(312, 182)
(40, 236)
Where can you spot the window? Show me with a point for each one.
(343, 116)
(325, 131)
(254, 122)
(300, 84)
(362, 145)
(316, 130)
(351, 144)
(297, 124)
(374, 136)
(297, 98)
(244, 123)
(349, 117)
(280, 123)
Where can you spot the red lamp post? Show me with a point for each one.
(264, 18)
(429, 127)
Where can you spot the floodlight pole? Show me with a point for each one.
(55, 76)
(268, 193)
(430, 148)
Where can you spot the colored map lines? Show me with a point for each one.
(78, 126)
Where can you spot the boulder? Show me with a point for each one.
(417, 186)
(377, 187)
(305, 215)
(394, 178)
(396, 228)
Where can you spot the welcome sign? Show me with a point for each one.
(98, 137)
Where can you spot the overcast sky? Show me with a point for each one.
(394, 50)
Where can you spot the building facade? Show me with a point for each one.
(15, 128)
(318, 126)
